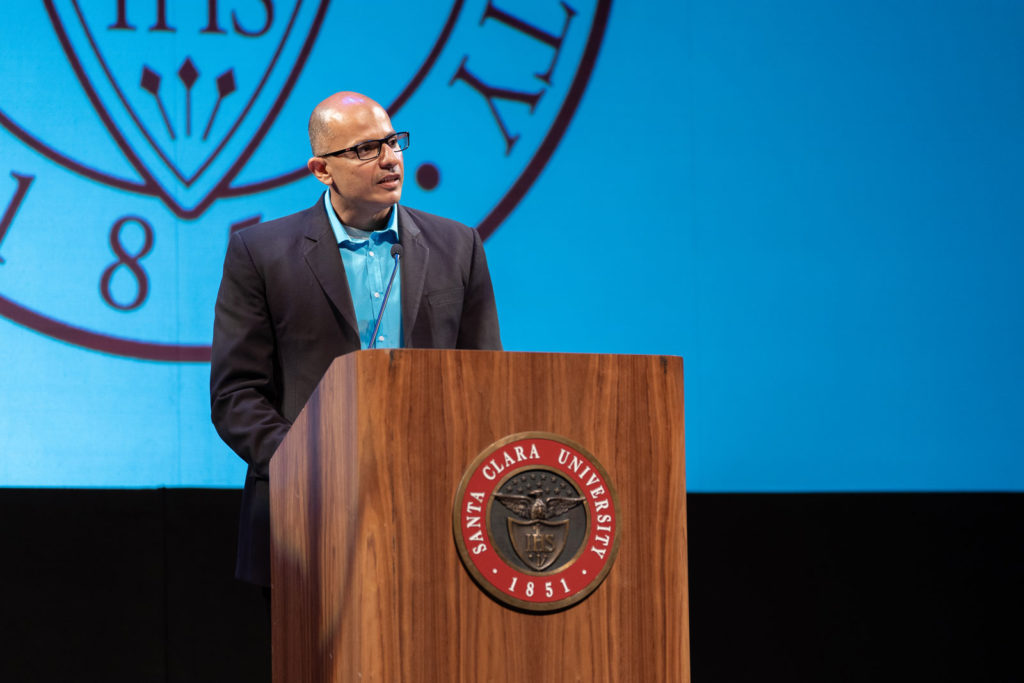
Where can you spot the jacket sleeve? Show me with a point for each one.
(478, 328)
(244, 386)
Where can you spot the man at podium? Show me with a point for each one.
(299, 291)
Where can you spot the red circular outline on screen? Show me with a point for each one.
(197, 353)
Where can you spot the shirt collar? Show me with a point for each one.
(347, 236)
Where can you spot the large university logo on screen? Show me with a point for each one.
(535, 523)
(136, 136)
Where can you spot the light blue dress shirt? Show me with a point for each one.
(368, 265)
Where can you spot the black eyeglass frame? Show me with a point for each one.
(400, 137)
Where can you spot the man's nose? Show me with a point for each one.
(388, 157)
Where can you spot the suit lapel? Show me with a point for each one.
(415, 255)
(324, 259)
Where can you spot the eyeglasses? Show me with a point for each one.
(371, 148)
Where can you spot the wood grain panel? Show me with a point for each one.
(368, 585)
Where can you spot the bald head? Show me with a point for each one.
(331, 118)
(362, 190)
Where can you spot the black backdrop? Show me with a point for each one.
(130, 585)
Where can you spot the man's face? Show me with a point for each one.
(361, 190)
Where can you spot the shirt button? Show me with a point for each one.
(376, 295)
(380, 338)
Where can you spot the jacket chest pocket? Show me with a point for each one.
(445, 314)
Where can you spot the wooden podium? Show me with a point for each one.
(367, 581)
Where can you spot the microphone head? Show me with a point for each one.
(396, 251)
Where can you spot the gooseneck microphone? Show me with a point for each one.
(396, 253)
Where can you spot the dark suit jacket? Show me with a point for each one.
(284, 312)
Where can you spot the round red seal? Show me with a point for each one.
(535, 521)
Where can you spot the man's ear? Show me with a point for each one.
(318, 167)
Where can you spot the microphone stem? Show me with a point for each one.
(387, 293)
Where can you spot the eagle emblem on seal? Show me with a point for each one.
(537, 540)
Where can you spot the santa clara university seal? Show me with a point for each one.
(535, 521)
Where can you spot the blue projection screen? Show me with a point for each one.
(817, 205)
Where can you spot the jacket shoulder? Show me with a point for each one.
(276, 233)
(434, 223)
